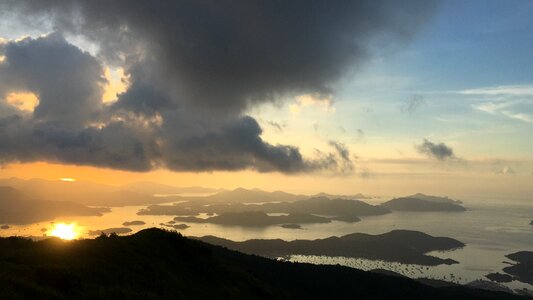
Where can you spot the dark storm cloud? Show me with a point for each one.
(68, 81)
(236, 147)
(116, 145)
(230, 53)
(194, 67)
(438, 151)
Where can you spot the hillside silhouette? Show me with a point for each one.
(156, 264)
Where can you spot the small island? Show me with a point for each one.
(292, 226)
(5, 227)
(133, 223)
(347, 218)
(403, 246)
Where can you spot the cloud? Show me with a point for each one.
(506, 170)
(508, 90)
(438, 151)
(324, 102)
(414, 103)
(517, 109)
(278, 126)
(194, 69)
(519, 116)
(360, 135)
(68, 82)
(239, 146)
(512, 101)
(345, 163)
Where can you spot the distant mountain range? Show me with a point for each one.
(143, 193)
(151, 188)
(18, 208)
(82, 192)
(95, 194)
(60, 198)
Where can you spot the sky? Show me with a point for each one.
(306, 96)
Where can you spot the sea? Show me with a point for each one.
(490, 230)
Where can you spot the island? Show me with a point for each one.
(523, 269)
(255, 219)
(435, 199)
(292, 226)
(401, 246)
(133, 223)
(423, 203)
(340, 209)
(499, 277)
(107, 266)
(5, 227)
(176, 226)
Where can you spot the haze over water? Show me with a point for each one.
(108, 109)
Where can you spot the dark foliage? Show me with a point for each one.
(156, 264)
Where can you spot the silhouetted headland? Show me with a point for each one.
(523, 269)
(402, 246)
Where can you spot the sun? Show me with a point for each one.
(64, 231)
(67, 179)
